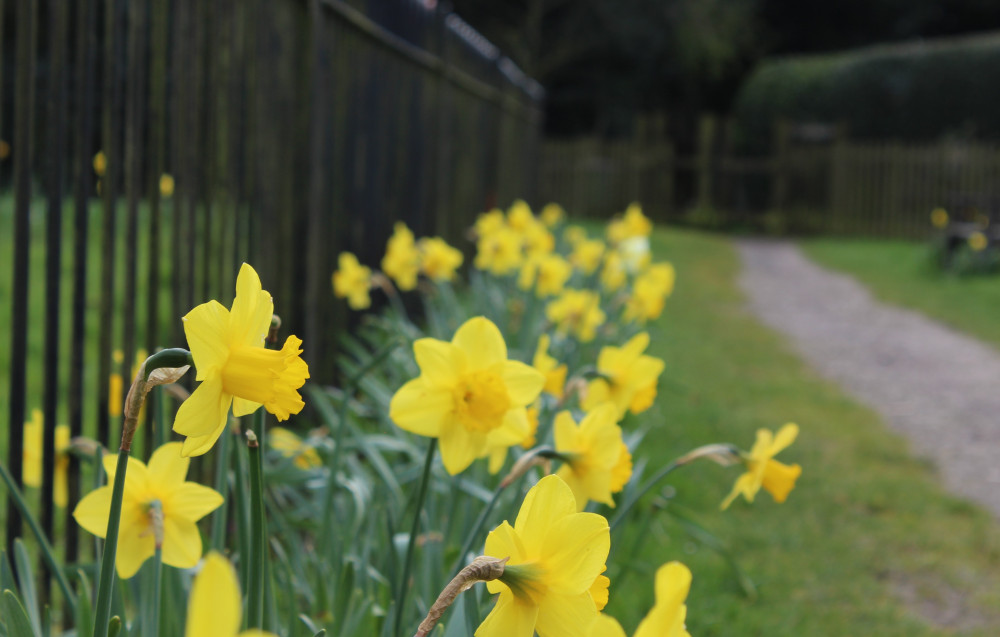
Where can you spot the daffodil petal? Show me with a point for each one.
(576, 551)
(460, 448)
(503, 542)
(606, 626)
(440, 362)
(563, 615)
(546, 502)
(673, 582)
(421, 408)
(207, 330)
(510, 617)
(167, 466)
(199, 445)
(244, 407)
(576, 484)
(514, 429)
(250, 318)
(205, 410)
(181, 542)
(93, 510)
(779, 479)
(192, 501)
(745, 485)
(135, 546)
(785, 436)
(482, 343)
(214, 602)
(523, 382)
(136, 475)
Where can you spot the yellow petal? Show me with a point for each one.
(214, 602)
(511, 617)
(250, 318)
(524, 383)
(166, 466)
(440, 362)
(135, 546)
(422, 409)
(482, 343)
(576, 550)
(785, 436)
(504, 542)
(599, 591)
(779, 479)
(745, 484)
(205, 410)
(191, 501)
(207, 330)
(549, 500)
(200, 445)
(673, 582)
(93, 510)
(244, 407)
(598, 391)
(561, 615)
(181, 542)
(575, 483)
(135, 476)
(565, 432)
(460, 447)
(513, 430)
(606, 626)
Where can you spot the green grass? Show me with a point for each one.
(867, 527)
(903, 273)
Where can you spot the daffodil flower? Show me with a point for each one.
(587, 255)
(438, 260)
(468, 395)
(650, 292)
(777, 478)
(159, 486)
(234, 366)
(291, 446)
(578, 312)
(592, 449)
(628, 377)
(666, 618)
(352, 281)
(31, 472)
(555, 556)
(402, 260)
(214, 606)
(552, 214)
(555, 374)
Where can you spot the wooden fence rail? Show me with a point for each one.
(815, 181)
(277, 133)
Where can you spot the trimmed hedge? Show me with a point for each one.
(914, 91)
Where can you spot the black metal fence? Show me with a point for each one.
(292, 129)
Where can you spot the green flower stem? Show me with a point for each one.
(103, 608)
(414, 530)
(255, 595)
(157, 588)
(47, 553)
(220, 518)
(643, 490)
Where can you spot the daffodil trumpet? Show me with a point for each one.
(482, 569)
(163, 367)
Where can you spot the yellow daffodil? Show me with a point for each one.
(763, 471)
(489, 222)
(666, 618)
(600, 591)
(158, 488)
(31, 472)
(497, 454)
(628, 377)
(291, 446)
(166, 186)
(234, 367)
(978, 241)
(555, 374)
(578, 312)
(468, 395)
(352, 281)
(438, 260)
(650, 292)
(402, 259)
(636, 224)
(552, 214)
(499, 252)
(100, 163)
(574, 235)
(116, 390)
(214, 606)
(613, 275)
(621, 473)
(587, 255)
(592, 449)
(635, 253)
(555, 555)
(939, 218)
(519, 215)
(547, 274)
(537, 240)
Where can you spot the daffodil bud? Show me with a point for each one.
(162, 368)
(722, 454)
(482, 569)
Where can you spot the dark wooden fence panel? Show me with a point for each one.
(191, 136)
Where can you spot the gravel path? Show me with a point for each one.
(937, 387)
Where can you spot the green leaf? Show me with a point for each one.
(84, 613)
(17, 621)
(26, 584)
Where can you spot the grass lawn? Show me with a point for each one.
(867, 544)
(902, 273)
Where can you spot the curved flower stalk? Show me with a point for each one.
(31, 472)
(214, 606)
(160, 486)
(555, 555)
(777, 478)
(468, 395)
(235, 368)
(352, 281)
(629, 377)
(593, 451)
(666, 618)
